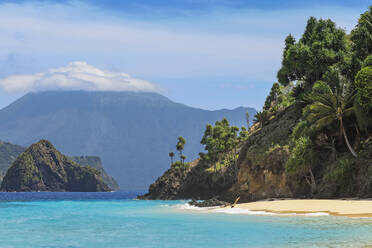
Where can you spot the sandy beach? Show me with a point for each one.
(349, 208)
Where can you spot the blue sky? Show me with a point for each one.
(207, 53)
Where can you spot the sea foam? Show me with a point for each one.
(238, 210)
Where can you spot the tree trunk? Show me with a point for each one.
(333, 147)
(311, 182)
(357, 138)
(347, 140)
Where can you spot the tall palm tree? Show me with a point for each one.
(328, 107)
(183, 158)
(171, 155)
(180, 145)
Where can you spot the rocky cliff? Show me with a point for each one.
(262, 162)
(42, 168)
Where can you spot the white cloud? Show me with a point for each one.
(223, 43)
(76, 76)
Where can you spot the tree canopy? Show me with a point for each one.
(363, 84)
(321, 46)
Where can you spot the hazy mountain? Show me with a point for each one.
(8, 154)
(95, 162)
(132, 132)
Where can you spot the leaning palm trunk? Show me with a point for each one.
(347, 140)
(311, 182)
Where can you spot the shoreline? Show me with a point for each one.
(346, 208)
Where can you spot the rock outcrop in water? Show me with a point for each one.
(213, 202)
(42, 168)
(9, 153)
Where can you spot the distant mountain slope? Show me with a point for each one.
(132, 132)
(42, 168)
(8, 153)
(95, 162)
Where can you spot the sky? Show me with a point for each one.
(210, 54)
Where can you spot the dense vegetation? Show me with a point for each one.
(313, 135)
(329, 74)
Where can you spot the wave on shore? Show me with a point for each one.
(238, 210)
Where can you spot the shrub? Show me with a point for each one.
(301, 156)
(363, 83)
(343, 173)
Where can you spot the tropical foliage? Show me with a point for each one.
(222, 142)
(332, 74)
(321, 46)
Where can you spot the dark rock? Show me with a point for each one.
(214, 202)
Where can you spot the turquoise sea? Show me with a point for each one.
(93, 220)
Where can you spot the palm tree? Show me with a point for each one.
(261, 117)
(183, 158)
(328, 107)
(247, 119)
(171, 155)
(180, 145)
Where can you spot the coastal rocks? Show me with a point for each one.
(214, 202)
(42, 168)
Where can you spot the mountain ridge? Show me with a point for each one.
(116, 126)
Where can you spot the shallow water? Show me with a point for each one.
(114, 220)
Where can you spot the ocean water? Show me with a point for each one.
(116, 220)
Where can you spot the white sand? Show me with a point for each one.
(350, 208)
